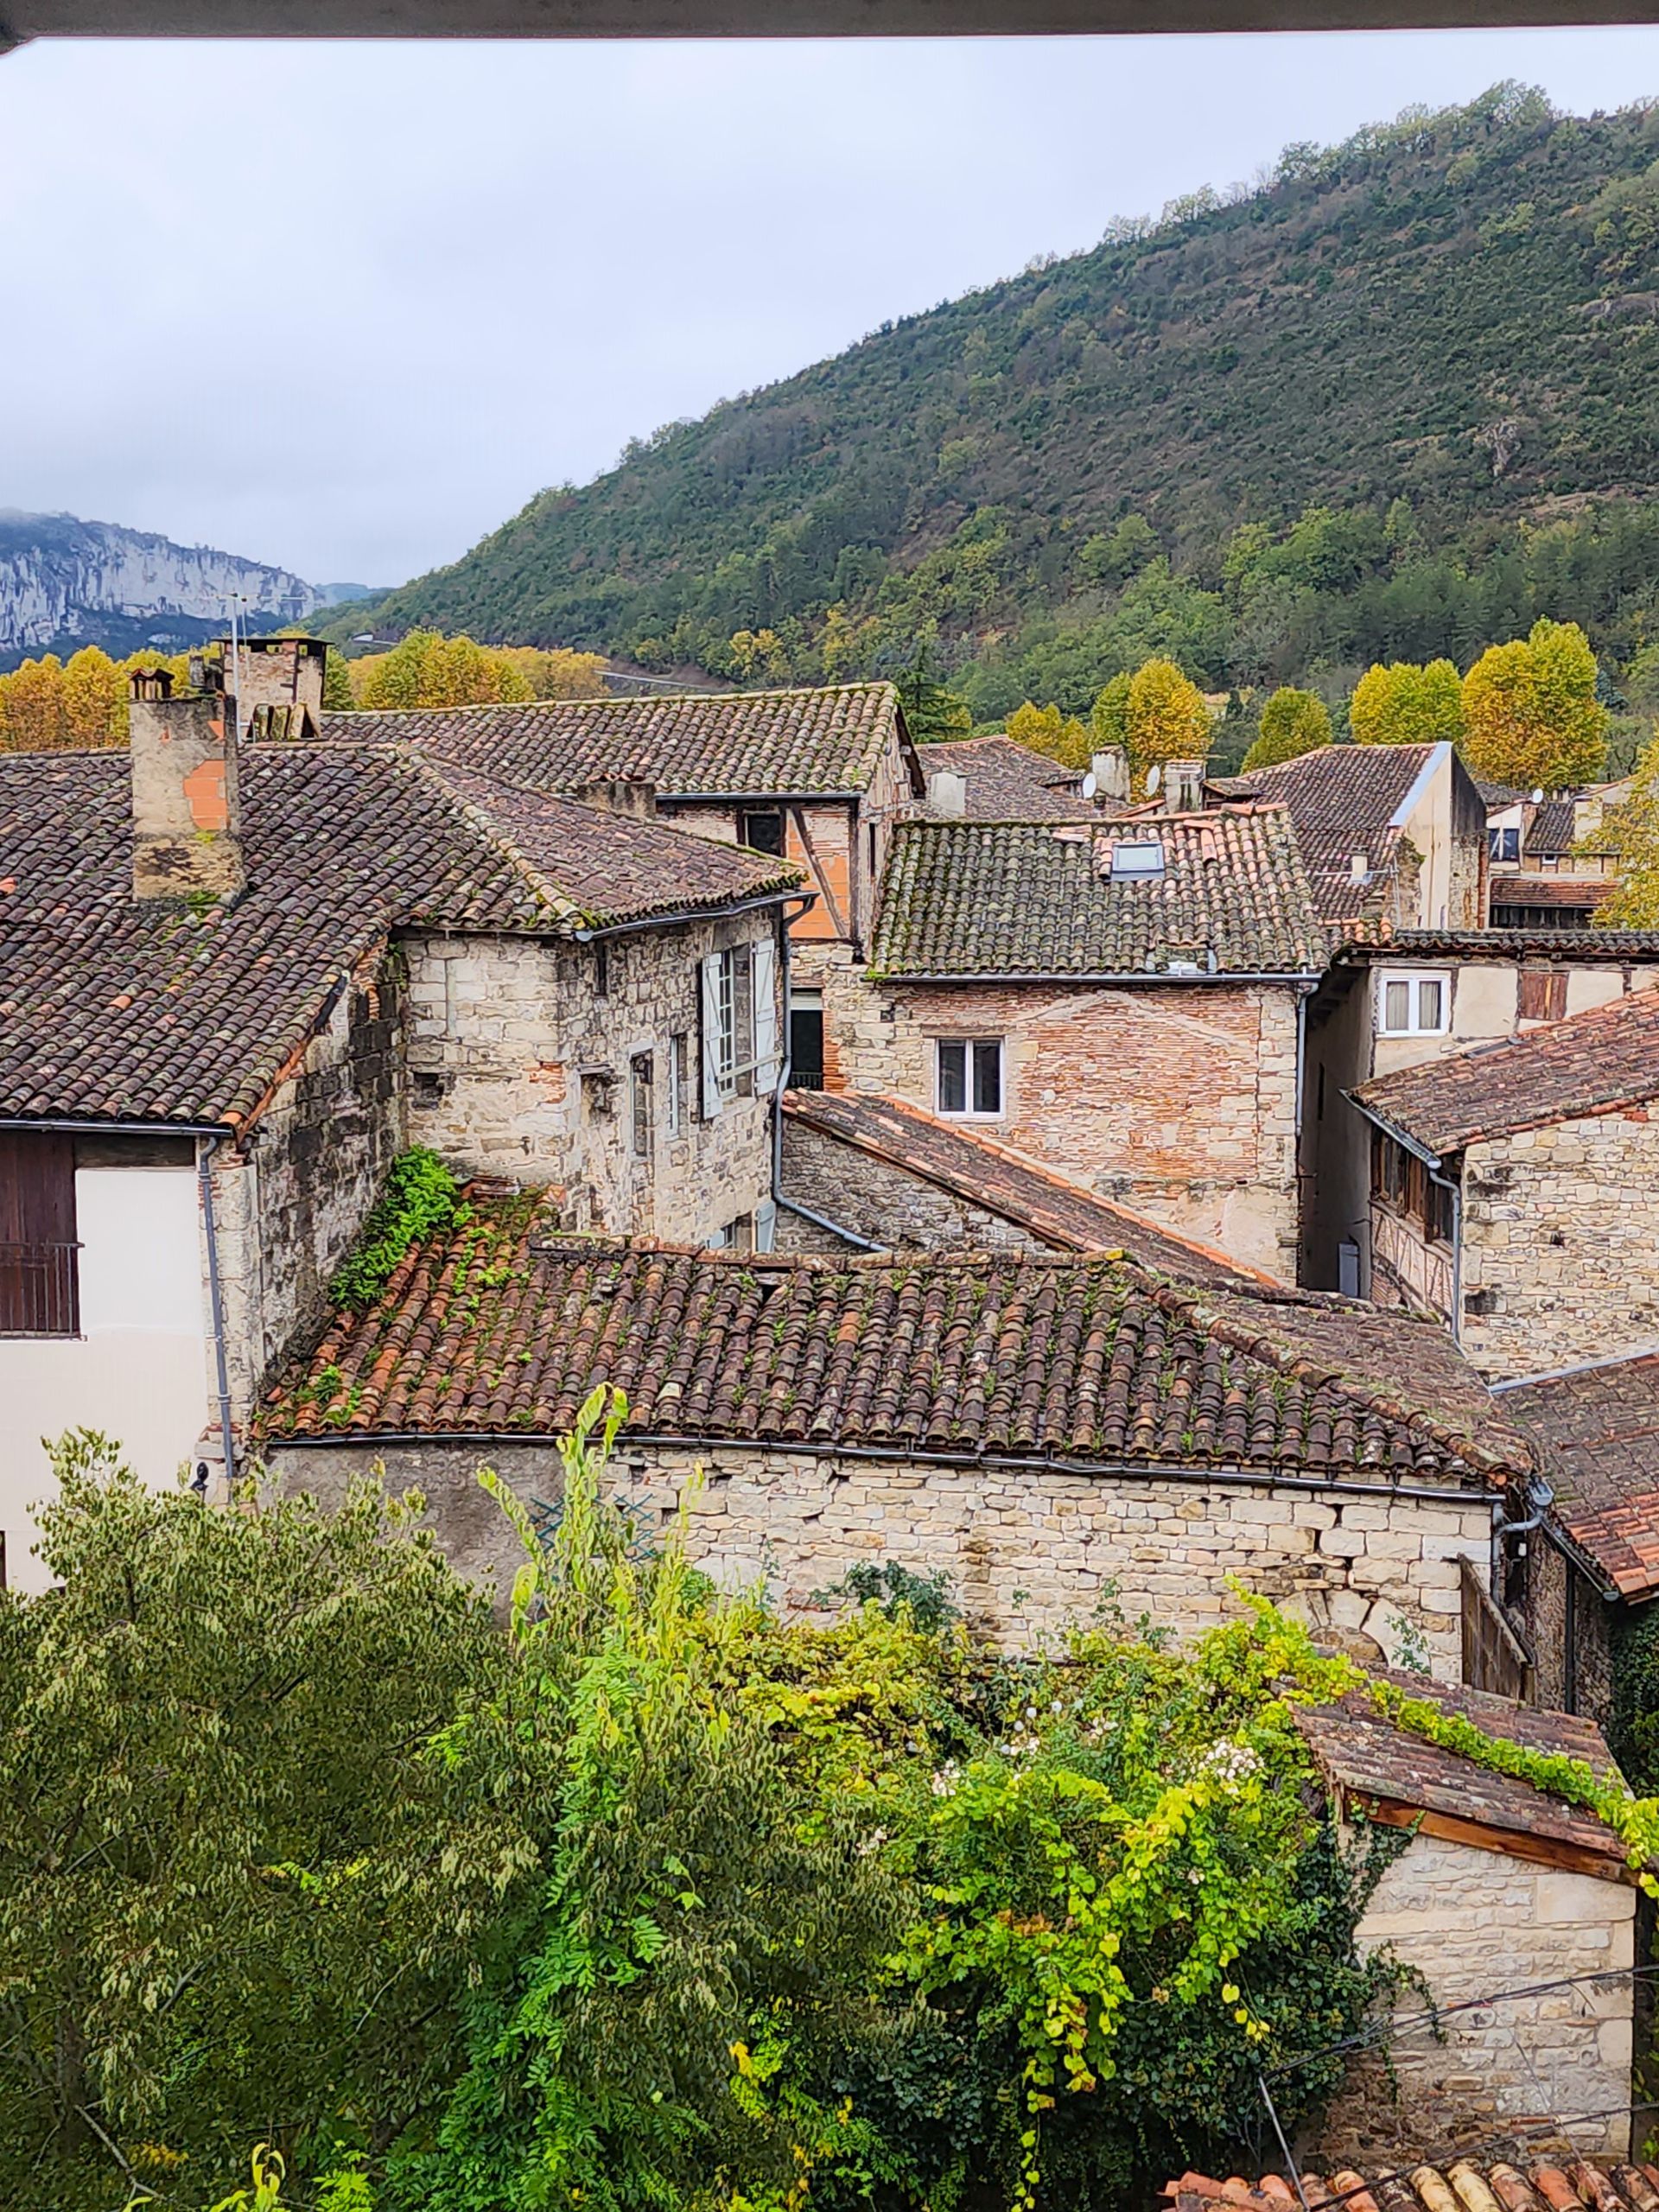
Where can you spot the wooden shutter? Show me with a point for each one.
(709, 1036)
(39, 1280)
(765, 1015)
(1541, 995)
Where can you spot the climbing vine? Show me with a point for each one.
(421, 1196)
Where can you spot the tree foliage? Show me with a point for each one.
(1166, 717)
(1632, 831)
(426, 669)
(1408, 703)
(1532, 716)
(1046, 729)
(1292, 722)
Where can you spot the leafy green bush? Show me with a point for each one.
(421, 1196)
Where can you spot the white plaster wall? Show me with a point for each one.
(138, 1370)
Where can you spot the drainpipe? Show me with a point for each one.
(792, 1205)
(216, 1304)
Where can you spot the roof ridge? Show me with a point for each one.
(546, 893)
(615, 699)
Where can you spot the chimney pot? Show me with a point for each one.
(150, 684)
(281, 673)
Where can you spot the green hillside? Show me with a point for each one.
(1396, 402)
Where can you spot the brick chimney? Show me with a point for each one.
(187, 841)
(282, 685)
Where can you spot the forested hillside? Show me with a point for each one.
(1397, 403)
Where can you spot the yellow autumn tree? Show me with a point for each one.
(32, 717)
(1408, 703)
(426, 669)
(95, 692)
(558, 673)
(1632, 831)
(1046, 730)
(1533, 718)
(1292, 722)
(1166, 718)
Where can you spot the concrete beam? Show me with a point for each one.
(25, 19)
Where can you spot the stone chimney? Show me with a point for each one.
(1183, 786)
(186, 814)
(629, 795)
(284, 676)
(947, 795)
(1111, 769)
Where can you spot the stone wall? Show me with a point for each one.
(1570, 1626)
(883, 1203)
(290, 1203)
(1560, 1257)
(520, 1066)
(1027, 1549)
(1473, 1921)
(1177, 1100)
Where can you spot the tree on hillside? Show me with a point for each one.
(1534, 720)
(1292, 722)
(1166, 718)
(1409, 703)
(1109, 716)
(427, 669)
(931, 711)
(1046, 729)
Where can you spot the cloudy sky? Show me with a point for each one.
(348, 307)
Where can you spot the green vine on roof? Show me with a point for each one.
(421, 1196)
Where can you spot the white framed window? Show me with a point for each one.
(1412, 1006)
(674, 1103)
(1505, 843)
(641, 1115)
(740, 1024)
(967, 1077)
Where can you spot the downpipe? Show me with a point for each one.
(216, 1306)
(785, 1069)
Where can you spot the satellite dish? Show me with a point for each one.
(1538, 796)
(1090, 784)
(1153, 775)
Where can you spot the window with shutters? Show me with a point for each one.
(740, 1024)
(40, 1282)
(1541, 995)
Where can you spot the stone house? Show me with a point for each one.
(1120, 1003)
(1593, 1568)
(238, 980)
(819, 777)
(1394, 1000)
(1391, 834)
(1512, 1189)
(1503, 1888)
(1052, 1432)
(1540, 880)
(874, 1173)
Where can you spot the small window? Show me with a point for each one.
(1140, 862)
(737, 1236)
(872, 847)
(601, 968)
(674, 1104)
(639, 1105)
(970, 1076)
(1504, 844)
(762, 831)
(1415, 1006)
(40, 1252)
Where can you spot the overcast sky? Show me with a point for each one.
(346, 306)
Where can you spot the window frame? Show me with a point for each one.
(746, 814)
(678, 1060)
(1415, 982)
(40, 1236)
(970, 1048)
(642, 1118)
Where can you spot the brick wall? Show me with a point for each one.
(289, 1206)
(1178, 1100)
(520, 1067)
(884, 1203)
(1560, 1253)
(1027, 1549)
(1473, 1921)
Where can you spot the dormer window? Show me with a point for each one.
(1140, 861)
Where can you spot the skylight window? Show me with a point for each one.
(1140, 862)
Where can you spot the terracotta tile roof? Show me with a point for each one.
(1552, 833)
(1557, 2183)
(1021, 1191)
(747, 743)
(1590, 944)
(1009, 898)
(1360, 1752)
(1007, 781)
(1599, 1426)
(1581, 893)
(1343, 800)
(1592, 1062)
(114, 1010)
(503, 1326)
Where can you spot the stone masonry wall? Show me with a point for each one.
(1473, 1921)
(883, 1203)
(1560, 1253)
(1027, 1549)
(520, 1067)
(289, 1205)
(1177, 1100)
(1583, 1627)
